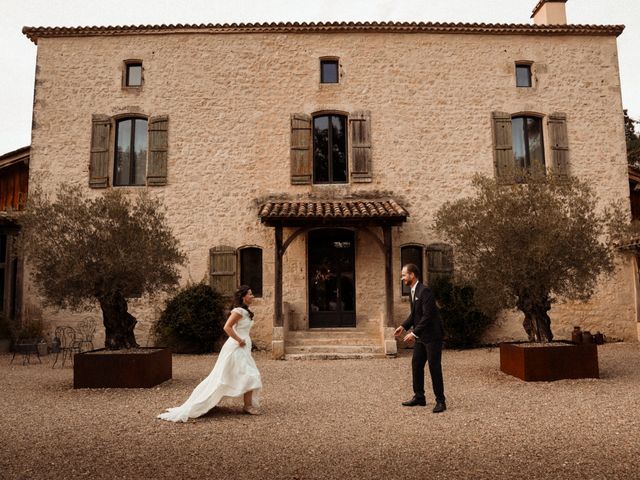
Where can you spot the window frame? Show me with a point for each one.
(125, 74)
(528, 165)
(529, 66)
(417, 246)
(330, 115)
(240, 270)
(117, 121)
(329, 60)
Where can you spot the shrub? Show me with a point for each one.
(464, 323)
(192, 320)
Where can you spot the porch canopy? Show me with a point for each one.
(356, 213)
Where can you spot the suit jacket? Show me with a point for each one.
(425, 316)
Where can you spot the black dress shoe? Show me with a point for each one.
(414, 402)
(440, 407)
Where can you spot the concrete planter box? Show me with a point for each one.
(139, 368)
(540, 362)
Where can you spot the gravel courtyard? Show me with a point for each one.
(329, 419)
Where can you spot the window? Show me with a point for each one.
(251, 269)
(330, 149)
(131, 152)
(133, 74)
(528, 146)
(523, 75)
(411, 254)
(329, 71)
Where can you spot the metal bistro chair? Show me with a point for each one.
(26, 347)
(69, 345)
(85, 332)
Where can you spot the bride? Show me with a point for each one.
(235, 373)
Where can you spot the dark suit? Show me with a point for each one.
(427, 326)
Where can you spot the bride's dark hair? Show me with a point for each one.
(238, 298)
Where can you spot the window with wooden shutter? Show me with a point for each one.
(251, 269)
(99, 160)
(439, 261)
(222, 268)
(503, 147)
(559, 144)
(360, 125)
(301, 157)
(411, 254)
(158, 151)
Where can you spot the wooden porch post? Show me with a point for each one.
(388, 274)
(277, 310)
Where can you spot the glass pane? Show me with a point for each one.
(321, 149)
(411, 255)
(519, 145)
(523, 75)
(339, 156)
(123, 153)
(134, 75)
(140, 161)
(329, 71)
(251, 269)
(3, 248)
(536, 147)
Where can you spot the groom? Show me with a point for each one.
(427, 335)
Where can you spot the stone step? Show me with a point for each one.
(334, 349)
(304, 341)
(333, 333)
(332, 356)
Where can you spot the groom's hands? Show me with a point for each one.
(399, 331)
(409, 339)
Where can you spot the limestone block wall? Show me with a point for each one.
(229, 98)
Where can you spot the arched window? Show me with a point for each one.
(251, 269)
(528, 145)
(411, 254)
(330, 149)
(130, 163)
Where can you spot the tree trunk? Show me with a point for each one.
(537, 322)
(118, 322)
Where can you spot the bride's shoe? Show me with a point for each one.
(251, 410)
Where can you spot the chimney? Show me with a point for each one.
(550, 12)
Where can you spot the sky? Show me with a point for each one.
(18, 54)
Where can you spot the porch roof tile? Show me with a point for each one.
(338, 209)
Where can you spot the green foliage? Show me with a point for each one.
(192, 321)
(633, 140)
(464, 323)
(87, 248)
(524, 245)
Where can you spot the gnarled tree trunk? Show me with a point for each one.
(537, 322)
(118, 322)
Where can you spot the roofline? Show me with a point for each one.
(34, 33)
(20, 152)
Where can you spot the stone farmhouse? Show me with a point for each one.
(307, 160)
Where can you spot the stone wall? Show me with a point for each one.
(229, 98)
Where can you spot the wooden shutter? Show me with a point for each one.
(222, 268)
(99, 160)
(301, 149)
(559, 144)
(158, 145)
(503, 147)
(360, 125)
(439, 261)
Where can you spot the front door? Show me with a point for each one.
(331, 273)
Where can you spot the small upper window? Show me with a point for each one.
(329, 71)
(133, 74)
(523, 75)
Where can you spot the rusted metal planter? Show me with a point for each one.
(547, 363)
(142, 368)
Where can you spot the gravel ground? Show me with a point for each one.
(329, 419)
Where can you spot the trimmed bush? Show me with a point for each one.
(464, 323)
(192, 321)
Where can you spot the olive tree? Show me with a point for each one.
(527, 244)
(102, 249)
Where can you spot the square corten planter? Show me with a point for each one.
(139, 368)
(540, 362)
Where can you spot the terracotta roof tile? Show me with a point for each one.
(33, 33)
(333, 209)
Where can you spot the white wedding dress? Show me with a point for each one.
(234, 374)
